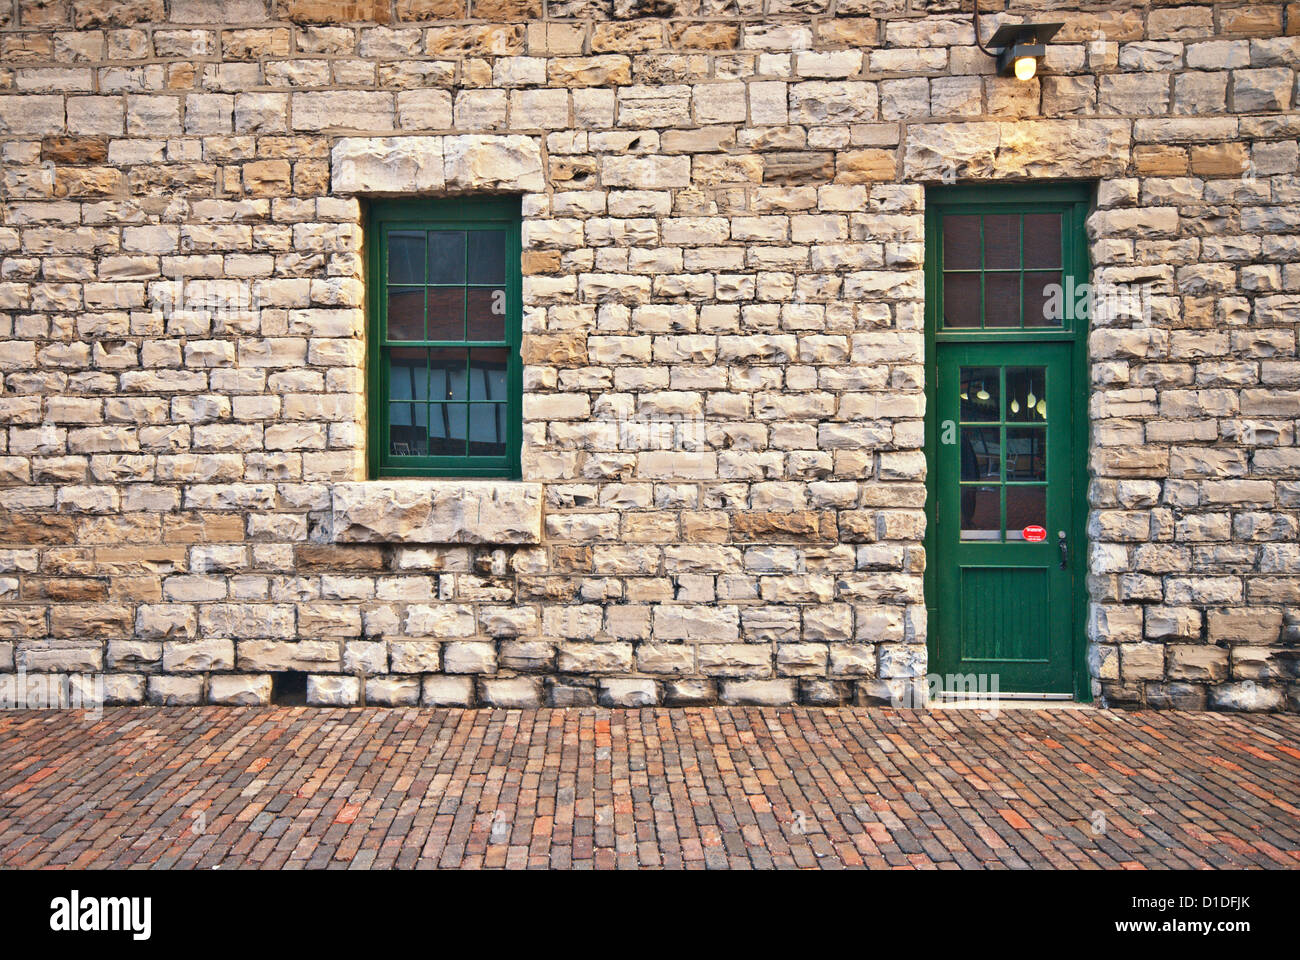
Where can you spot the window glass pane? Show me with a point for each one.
(981, 513)
(405, 313)
(487, 429)
(447, 429)
(487, 374)
(961, 300)
(979, 453)
(487, 256)
(961, 243)
(1002, 240)
(1025, 506)
(406, 256)
(1026, 453)
(979, 395)
(408, 375)
(408, 429)
(1042, 240)
(447, 376)
(1026, 394)
(1044, 300)
(487, 313)
(1001, 300)
(446, 256)
(446, 313)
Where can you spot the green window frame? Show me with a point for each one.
(444, 373)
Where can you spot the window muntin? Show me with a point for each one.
(446, 378)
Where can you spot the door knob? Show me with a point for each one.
(1064, 546)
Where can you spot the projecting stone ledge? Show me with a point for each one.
(437, 511)
(397, 166)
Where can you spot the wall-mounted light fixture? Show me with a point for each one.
(1016, 46)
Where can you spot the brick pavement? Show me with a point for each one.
(709, 787)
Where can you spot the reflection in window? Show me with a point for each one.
(1026, 506)
(980, 395)
(981, 513)
(1026, 453)
(1026, 394)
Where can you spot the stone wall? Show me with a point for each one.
(724, 220)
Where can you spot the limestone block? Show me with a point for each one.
(240, 690)
(332, 691)
(419, 511)
(445, 691)
(515, 692)
(628, 693)
(490, 163)
(393, 691)
(762, 693)
(382, 166)
(1028, 148)
(173, 691)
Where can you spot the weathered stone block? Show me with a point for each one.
(436, 511)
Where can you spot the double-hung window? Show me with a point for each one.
(444, 377)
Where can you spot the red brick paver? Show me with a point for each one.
(709, 787)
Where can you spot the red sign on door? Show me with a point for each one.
(1034, 533)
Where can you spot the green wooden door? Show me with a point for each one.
(1004, 495)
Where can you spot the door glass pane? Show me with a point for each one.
(1045, 305)
(961, 243)
(487, 256)
(979, 395)
(979, 453)
(1025, 506)
(405, 313)
(1026, 394)
(1026, 453)
(1002, 241)
(446, 313)
(446, 256)
(406, 256)
(1001, 299)
(981, 513)
(487, 313)
(447, 376)
(408, 429)
(961, 300)
(447, 429)
(487, 429)
(487, 374)
(1042, 240)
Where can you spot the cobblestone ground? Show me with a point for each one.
(715, 787)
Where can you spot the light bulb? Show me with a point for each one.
(982, 395)
(1025, 67)
(1030, 399)
(1015, 406)
(1042, 409)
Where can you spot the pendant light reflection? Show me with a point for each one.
(1015, 406)
(1042, 409)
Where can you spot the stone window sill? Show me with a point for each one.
(437, 511)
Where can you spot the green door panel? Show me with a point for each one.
(1004, 465)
